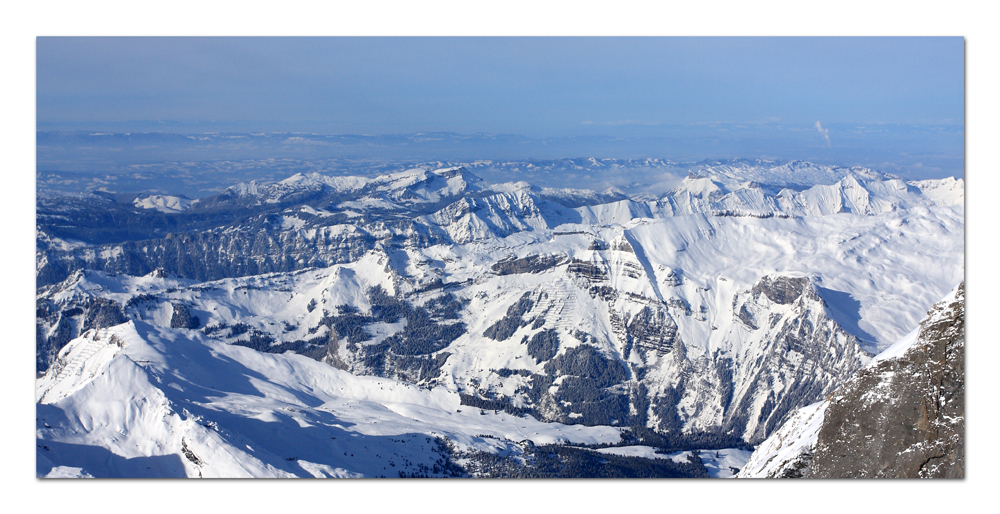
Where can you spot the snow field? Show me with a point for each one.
(239, 412)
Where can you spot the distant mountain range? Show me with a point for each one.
(202, 164)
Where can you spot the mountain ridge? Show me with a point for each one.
(416, 215)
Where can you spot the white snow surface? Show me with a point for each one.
(718, 463)
(141, 401)
(795, 437)
(722, 463)
(646, 452)
(164, 203)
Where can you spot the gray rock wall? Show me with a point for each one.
(903, 417)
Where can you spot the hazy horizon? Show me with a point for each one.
(891, 104)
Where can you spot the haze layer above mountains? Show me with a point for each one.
(202, 164)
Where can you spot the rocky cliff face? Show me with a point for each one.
(62, 313)
(903, 416)
(783, 352)
(804, 354)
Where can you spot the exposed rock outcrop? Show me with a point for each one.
(57, 322)
(797, 354)
(902, 416)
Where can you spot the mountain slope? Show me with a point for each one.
(137, 400)
(903, 416)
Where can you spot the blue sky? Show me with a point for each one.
(735, 90)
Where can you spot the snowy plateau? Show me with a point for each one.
(426, 323)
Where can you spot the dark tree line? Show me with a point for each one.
(512, 320)
(556, 461)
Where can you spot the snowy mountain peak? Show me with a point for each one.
(81, 360)
(163, 203)
(699, 187)
(946, 191)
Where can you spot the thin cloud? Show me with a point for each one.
(825, 132)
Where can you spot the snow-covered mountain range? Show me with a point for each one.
(702, 318)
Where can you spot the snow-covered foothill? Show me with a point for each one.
(151, 401)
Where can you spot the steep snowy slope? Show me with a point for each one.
(787, 452)
(142, 401)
